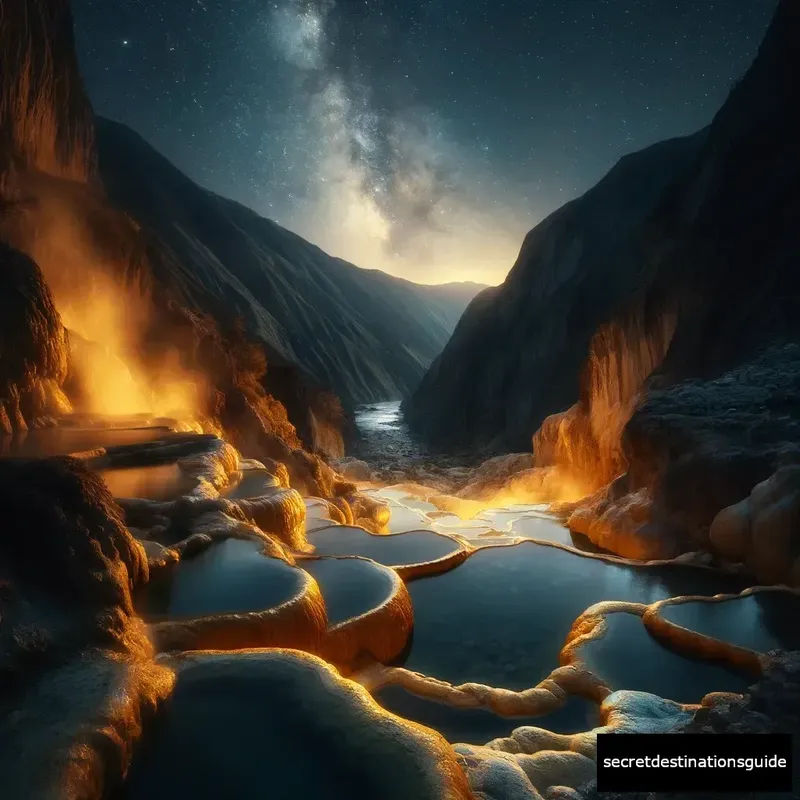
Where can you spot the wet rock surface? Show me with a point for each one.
(78, 680)
(211, 572)
(233, 721)
(516, 354)
(33, 343)
(706, 444)
(770, 706)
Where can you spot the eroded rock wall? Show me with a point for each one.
(719, 414)
(678, 383)
(45, 116)
(772, 705)
(78, 680)
(33, 346)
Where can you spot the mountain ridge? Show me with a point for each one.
(337, 326)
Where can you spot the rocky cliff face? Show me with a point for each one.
(686, 386)
(515, 356)
(33, 345)
(772, 705)
(45, 117)
(717, 417)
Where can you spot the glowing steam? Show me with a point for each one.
(84, 251)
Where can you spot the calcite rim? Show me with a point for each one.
(420, 569)
(701, 645)
(299, 622)
(382, 631)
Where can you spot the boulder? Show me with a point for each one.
(763, 530)
(355, 470)
(772, 705)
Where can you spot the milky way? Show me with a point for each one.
(422, 138)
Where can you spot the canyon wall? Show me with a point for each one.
(676, 354)
(35, 137)
(516, 355)
(45, 116)
(90, 324)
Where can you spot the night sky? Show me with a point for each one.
(422, 137)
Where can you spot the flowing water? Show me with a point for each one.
(385, 437)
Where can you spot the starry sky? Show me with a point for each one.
(421, 137)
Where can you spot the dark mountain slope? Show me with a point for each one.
(365, 334)
(151, 279)
(515, 355)
(721, 413)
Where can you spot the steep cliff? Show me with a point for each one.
(515, 355)
(45, 116)
(177, 300)
(720, 414)
(33, 346)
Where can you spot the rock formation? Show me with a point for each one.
(38, 45)
(33, 345)
(515, 356)
(771, 706)
(78, 679)
(90, 713)
(209, 305)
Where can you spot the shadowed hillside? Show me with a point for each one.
(178, 302)
(365, 334)
(515, 356)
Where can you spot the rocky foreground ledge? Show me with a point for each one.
(771, 706)
(90, 710)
